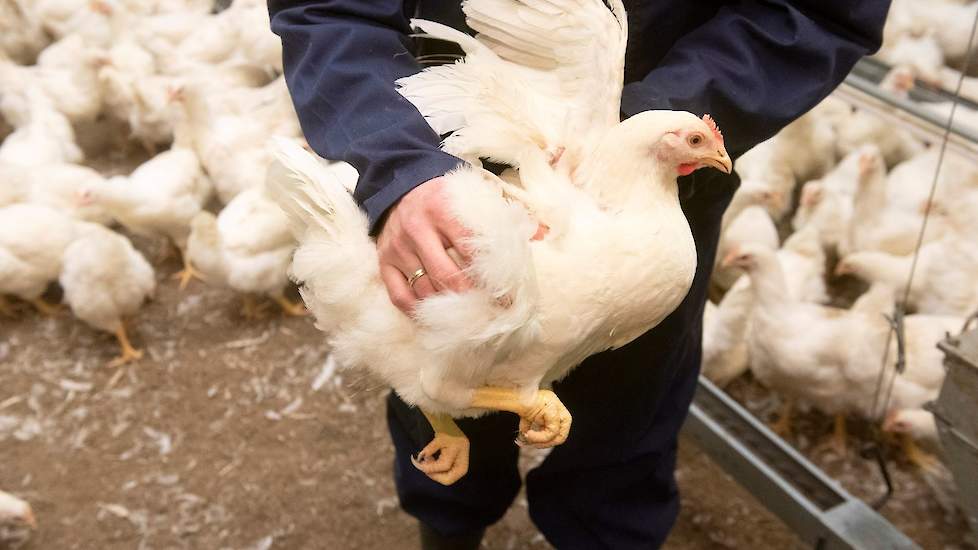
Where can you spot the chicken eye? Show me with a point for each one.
(695, 140)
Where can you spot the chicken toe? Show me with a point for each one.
(251, 308)
(917, 456)
(129, 353)
(45, 308)
(543, 423)
(291, 308)
(546, 424)
(782, 426)
(446, 458)
(840, 435)
(186, 274)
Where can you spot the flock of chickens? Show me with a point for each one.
(201, 93)
(849, 190)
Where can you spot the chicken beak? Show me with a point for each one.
(721, 161)
(729, 259)
(30, 520)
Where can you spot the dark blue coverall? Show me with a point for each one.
(752, 65)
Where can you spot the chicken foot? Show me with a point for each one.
(917, 456)
(290, 308)
(251, 308)
(129, 353)
(188, 272)
(543, 423)
(446, 458)
(783, 425)
(840, 435)
(44, 307)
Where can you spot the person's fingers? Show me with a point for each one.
(442, 271)
(400, 293)
(456, 236)
(422, 286)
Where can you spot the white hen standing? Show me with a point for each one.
(247, 247)
(32, 241)
(602, 186)
(105, 280)
(160, 198)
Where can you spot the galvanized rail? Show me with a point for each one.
(810, 502)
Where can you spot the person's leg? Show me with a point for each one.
(464, 509)
(612, 484)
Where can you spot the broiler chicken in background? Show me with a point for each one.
(944, 282)
(33, 239)
(232, 147)
(828, 357)
(105, 281)
(45, 137)
(52, 185)
(248, 248)
(752, 225)
(16, 516)
(496, 346)
(21, 36)
(826, 204)
(158, 199)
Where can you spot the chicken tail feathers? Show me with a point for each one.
(336, 261)
(315, 196)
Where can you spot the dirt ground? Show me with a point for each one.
(236, 434)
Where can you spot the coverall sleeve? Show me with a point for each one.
(757, 65)
(341, 59)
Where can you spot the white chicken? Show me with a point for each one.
(21, 35)
(232, 147)
(491, 348)
(45, 137)
(752, 225)
(53, 185)
(830, 357)
(726, 329)
(943, 282)
(32, 241)
(15, 513)
(826, 204)
(247, 247)
(160, 198)
(105, 281)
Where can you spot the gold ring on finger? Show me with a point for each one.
(415, 276)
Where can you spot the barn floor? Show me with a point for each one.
(218, 438)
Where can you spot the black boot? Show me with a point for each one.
(433, 540)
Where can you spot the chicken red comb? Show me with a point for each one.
(713, 127)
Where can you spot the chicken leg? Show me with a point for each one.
(45, 308)
(188, 272)
(129, 353)
(290, 308)
(251, 309)
(917, 456)
(782, 426)
(446, 458)
(543, 423)
(839, 435)
(5, 309)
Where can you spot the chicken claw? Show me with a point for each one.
(292, 309)
(129, 353)
(446, 458)
(543, 423)
(186, 274)
(917, 456)
(45, 308)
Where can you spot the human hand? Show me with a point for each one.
(416, 235)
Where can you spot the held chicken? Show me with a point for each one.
(247, 247)
(105, 280)
(603, 187)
